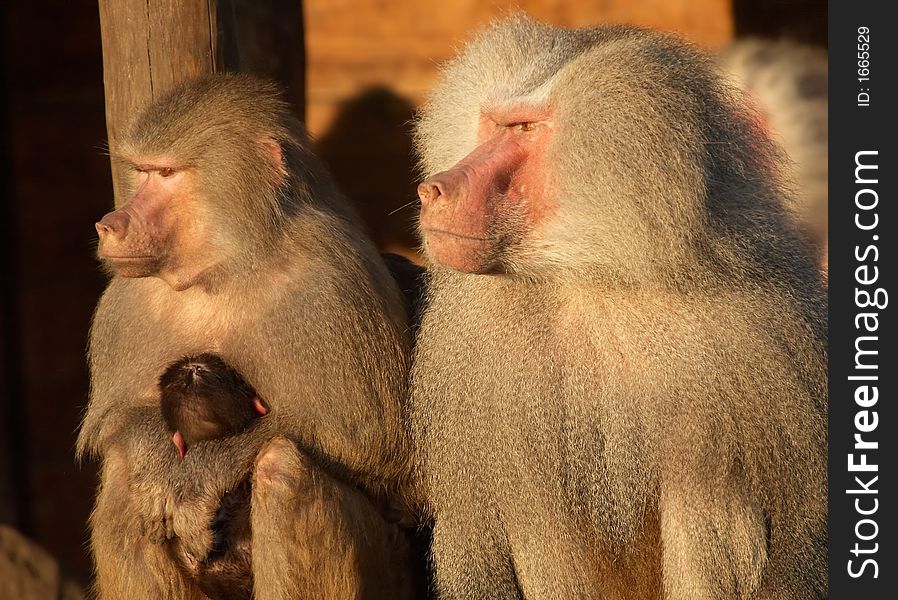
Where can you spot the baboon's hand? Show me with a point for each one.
(152, 469)
(154, 503)
(210, 470)
(194, 510)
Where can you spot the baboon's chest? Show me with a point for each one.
(548, 403)
(179, 324)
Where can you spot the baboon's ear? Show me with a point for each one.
(276, 153)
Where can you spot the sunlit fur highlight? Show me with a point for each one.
(636, 406)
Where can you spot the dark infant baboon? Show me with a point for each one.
(232, 240)
(619, 385)
(203, 398)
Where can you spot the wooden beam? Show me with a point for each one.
(149, 46)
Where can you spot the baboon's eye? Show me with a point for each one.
(525, 126)
(166, 172)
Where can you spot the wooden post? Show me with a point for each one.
(149, 46)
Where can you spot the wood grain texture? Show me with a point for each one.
(151, 46)
(148, 47)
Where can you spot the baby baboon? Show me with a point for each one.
(233, 240)
(619, 385)
(203, 398)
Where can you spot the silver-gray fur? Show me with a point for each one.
(790, 84)
(634, 405)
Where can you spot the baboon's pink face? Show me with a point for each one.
(472, 213)
(158, 224)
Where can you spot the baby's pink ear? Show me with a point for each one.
(180, 444)
(276, 153)
(260, 406)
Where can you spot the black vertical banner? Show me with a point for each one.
(863, 385)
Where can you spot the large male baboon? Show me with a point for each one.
(234, 241)
(619, 386)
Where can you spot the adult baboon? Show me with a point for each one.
(619, 386)
(233, 241)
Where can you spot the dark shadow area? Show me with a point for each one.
(265, 38)
(369, 151)
(58, 183)
(14, 474)
(799, 20)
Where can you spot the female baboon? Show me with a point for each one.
(234, 241)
